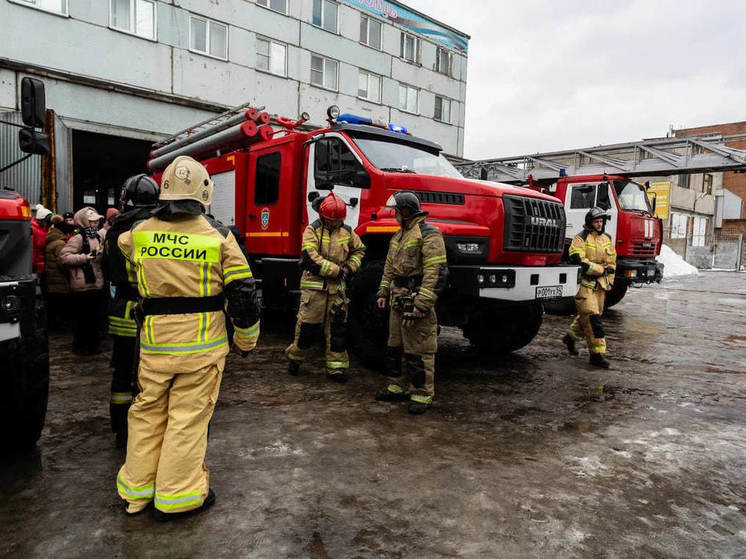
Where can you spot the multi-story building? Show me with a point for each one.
(120, 74)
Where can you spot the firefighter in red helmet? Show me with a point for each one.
(331, 253)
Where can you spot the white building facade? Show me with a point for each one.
(138, 70)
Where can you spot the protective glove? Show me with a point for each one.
(610, 271)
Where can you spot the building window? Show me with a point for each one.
(276, 5)
(707, 183)
(410, 48)
(699, 231)
(324, 72)
(442, 109)
(267, 181)
(408, 98)
(208, 37)
(683, 181)
(444, 62)
(370, 32)
(369, 87)
(679, 224)
(325, 14)
(271, 56)
(55, 6)
(133, 16)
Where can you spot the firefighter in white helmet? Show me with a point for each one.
(189, 270)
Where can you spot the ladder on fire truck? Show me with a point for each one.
(653, 157)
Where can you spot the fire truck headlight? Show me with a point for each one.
(480, 279)
(469, 248)
(332, 112)
(631, 273)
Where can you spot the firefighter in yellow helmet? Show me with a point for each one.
(189, 271)
(414, 276)
(593, 250)
(331, 253)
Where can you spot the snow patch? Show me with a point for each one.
(673, 264)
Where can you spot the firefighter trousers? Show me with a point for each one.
(123, 381)
(320, 313)
(410, 356)
(590, 304)
(168, 439)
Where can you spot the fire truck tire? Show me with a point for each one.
(25, 403)
(616, 294)
(367, 325)
(497, 330)
(564, 306)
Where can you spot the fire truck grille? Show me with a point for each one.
(427, 197)
(643, 249)
(533, 225)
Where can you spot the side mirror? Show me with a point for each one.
(652, 203)
(31, 141)
(361, 179)
(33, 102)
(353, 202)
(647, 185)
(313, 195)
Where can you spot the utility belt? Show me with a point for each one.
(182, 305)
(408, 282)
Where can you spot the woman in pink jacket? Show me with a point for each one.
(81, 255)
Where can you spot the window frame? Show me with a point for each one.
(344, 143)
(269, 7)
(259, 158)
(450, 109)
(677, 227)
(417, 48)
(449, 56)
(323, 13)
(133, 20)
(418, 90)
(323, 72)
(380, 86)
(268, 71)
(367, 32)
(32, 4)
(208, 21)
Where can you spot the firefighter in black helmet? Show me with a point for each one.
(413, 278)
(138, 197)
(594, 251)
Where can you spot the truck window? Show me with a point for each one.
(267, 180)
(583, 196)
(602, 196)
(336, 164)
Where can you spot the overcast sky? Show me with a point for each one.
(559, 74)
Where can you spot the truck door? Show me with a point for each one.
(583, 196)
(334, 165)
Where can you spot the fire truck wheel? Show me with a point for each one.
(28, 386)
(560, 307)
(367, 325)
(497, 330)
(616, 294)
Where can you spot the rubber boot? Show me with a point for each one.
(417, 408)
(386, 395)
(598, 360)
(293, 368)
(570, 343)
(337, 376)
(161, 516)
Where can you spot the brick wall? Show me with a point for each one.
(735, 182)
(729, 233)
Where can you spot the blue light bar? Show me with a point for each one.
(355, 119)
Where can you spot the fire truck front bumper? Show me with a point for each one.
(639, 271)
(515, 283)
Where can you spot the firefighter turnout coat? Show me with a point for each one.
(189, 270)
(323, 301)
(595, 254)
(415, 275)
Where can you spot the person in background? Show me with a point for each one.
(82, 255)
(39, 226)
(111, 214)
(58, 286)
(69, 218)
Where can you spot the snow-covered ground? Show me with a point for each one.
(673, 264)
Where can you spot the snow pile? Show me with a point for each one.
(673, 264)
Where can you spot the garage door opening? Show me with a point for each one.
(101, 163)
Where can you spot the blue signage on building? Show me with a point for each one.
(400, 15)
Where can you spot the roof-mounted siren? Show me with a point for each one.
(356, 119)
(562, 173)
(332, 113)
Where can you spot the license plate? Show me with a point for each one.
(549, 291)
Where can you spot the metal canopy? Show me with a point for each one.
(655, 157)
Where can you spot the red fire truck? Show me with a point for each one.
(504, 243)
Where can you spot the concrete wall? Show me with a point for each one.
(82, 45)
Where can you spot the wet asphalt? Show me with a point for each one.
(532, 455)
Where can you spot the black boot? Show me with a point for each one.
(338, 376)
(386, 395)
(570, 343)
(161, 516)
(293, 368)
(418, 408)
(598, 360)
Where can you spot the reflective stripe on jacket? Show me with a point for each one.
(594, 252)
(324, 251)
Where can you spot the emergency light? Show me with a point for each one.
(356, 119)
